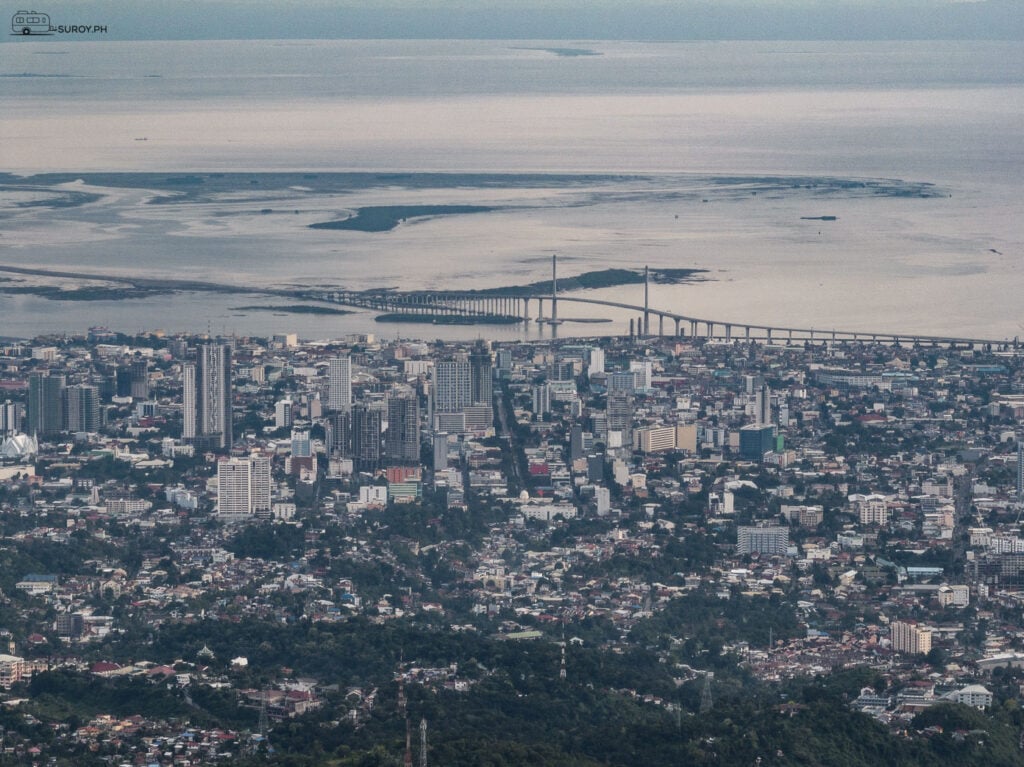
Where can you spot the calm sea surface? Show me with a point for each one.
(635, 137)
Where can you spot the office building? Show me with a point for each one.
(207, 398)
(481, 375)
(338, 433)
(138, 374)
(440, 451)
(654, 439)
(620, 414)
(45, 411)
(366, 438)
(756, 440)
(621, 381)
(402, 440)
(339, 383)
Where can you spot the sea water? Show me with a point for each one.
(658, 155)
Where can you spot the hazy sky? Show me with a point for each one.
(537, 19)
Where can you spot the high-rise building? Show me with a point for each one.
(339, 383)
(620, 414)
(541, 400)
(1020, 470)
(123, 382)
(366, 442)
(770, 540)
(10, 418)
(756, 440)
(402, 440)
(302, 446)
(911, 638)
(45, 404)
(621, 380)
(643, 374)
(481, 375)
(339, 433)
(763, 406)
(503, 359)
(234, 488)
(207, 397)
(440, 451)
(243, 488)
(138, 372)
(453, 391)
(283, 414)
(577, 446)
(870, 509)
(82, 408)
(596, 361)
(260, 487)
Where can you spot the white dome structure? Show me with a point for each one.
(19, 447)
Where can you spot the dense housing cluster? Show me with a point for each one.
(204, 538)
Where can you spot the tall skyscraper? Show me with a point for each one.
(453, 391)
(763, 405)
(620, 414)
(123, 382)
(402, 440)
(243, 488)
(45, 404)
(82, 408)
(1020, 470)
(440, 451)
(10, 418)
(260, 488)
(188, 401)
(339, 433)
(139, 376)
(339, 383)
(366, 443)
(481, 374)
(207, 397)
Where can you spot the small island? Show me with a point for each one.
(384, 218)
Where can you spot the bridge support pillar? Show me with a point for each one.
(661, 324)
(677, 326)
